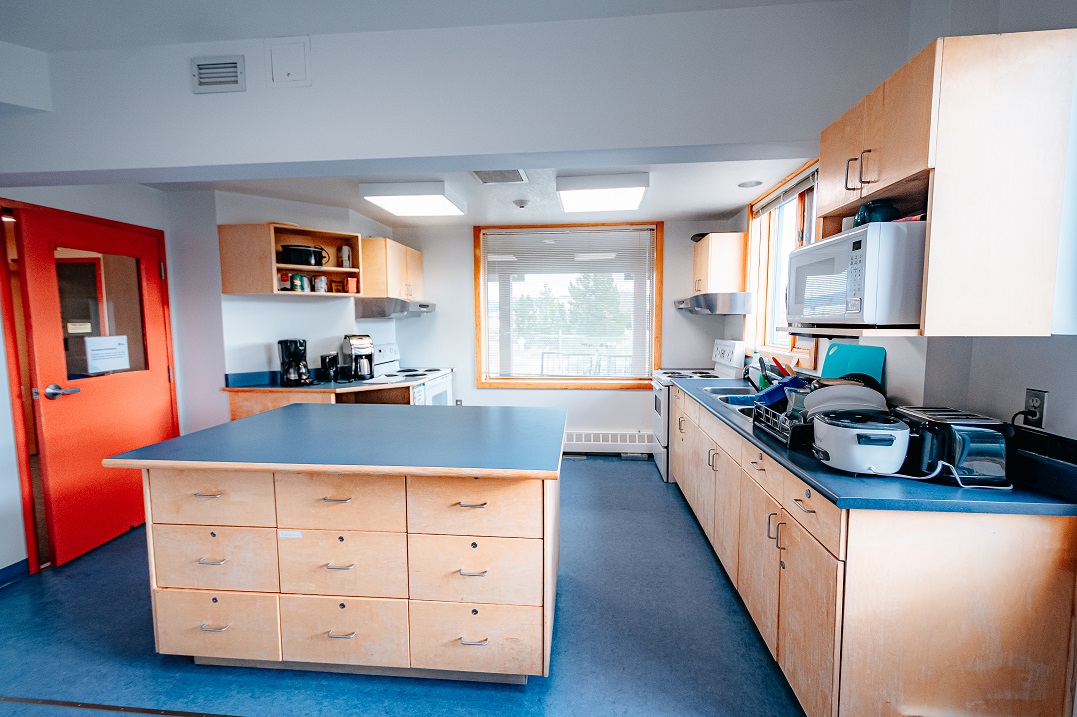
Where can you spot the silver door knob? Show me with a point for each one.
(53, 391)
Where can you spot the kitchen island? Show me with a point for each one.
(377, 539)
(882, 596)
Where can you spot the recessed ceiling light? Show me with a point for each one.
(414, 199)
(604, 193)
(749, 184)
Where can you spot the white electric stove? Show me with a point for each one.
(728, 357)
(436, 386)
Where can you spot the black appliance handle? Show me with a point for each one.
(820, 453)
(875, 439)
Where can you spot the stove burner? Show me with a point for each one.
(390, 374)
(409, 370)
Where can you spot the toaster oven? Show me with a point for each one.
(974, 445)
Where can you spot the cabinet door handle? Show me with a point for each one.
(800, 505)
(473, 505)
(778, 535)
(336, 500)
(711, 455)
(330, 566)
(698, 285)
(848, 162)
(203, 561)
(770, 517)
(860, 169)
(207, 628)
(755, 464)
(349, 636)
(680, 424)
(483, 574)
(480, 643)
(200, 494)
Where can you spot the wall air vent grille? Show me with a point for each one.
(218, 74)
(500, 176)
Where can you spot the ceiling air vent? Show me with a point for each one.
(218, 74)
(500, 176)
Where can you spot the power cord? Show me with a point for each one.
(938, 469)
(1027, 413)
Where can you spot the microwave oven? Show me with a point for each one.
(871, 275)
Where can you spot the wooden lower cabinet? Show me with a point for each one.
(205, 623)
(809, 618)
(760, 565)
(375, 572)
(476, 637)
(345, 630)
(727, 488)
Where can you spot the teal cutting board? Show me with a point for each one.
(841, 359)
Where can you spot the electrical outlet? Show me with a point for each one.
(1035, 401)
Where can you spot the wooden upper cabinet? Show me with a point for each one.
(249, 258)
(840, 145)
(718, 263)
(391, 269)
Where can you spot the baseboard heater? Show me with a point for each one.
(605, 442)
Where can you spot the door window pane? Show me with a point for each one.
(100, 312)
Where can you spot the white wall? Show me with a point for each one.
(723, 79)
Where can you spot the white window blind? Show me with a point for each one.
(568, 303)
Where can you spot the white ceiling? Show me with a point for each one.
(698, 191)
(57, 25)
(684, 190)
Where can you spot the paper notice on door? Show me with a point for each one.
(107, 353)
(79, 328)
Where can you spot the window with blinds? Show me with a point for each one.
(567, 306)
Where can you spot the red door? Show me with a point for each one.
(100, 363)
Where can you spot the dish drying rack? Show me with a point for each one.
(794, 434)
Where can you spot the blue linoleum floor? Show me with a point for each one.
(647, 624)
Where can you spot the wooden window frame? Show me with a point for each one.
(482, 379)
(802, 352)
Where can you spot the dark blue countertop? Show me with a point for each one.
(874, 493)
(365, 438)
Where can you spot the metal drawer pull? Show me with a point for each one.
(349, 636)
(483, 574)
(207, 628)
(203, 561)
(755, 465)
(473, 505)
(481, 643)
(200, 494)
(801, 505)
(330, 566)
(771, 516)
(336, 500)
(778, 535)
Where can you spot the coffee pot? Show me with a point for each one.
(293, 362)
(357, 357)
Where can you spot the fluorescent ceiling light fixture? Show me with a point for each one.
(414, 199)
(602, 193)
(595, 256)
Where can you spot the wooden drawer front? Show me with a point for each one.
(323, 562)
(344, 630)
(207, 497)
(242, 626)
(341, 502)
(818, 515)
(475, 569)
(215, 557)
(506, 638)
(692, 409)
(727, 439)
(475, 506)
(764, 469)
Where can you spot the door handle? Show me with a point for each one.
(778, 535)
(848, 162)
(860, 170)
(771, 516)
(53, 391)
(711, 455)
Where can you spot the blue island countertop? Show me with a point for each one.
(875, 493)
(489, 441)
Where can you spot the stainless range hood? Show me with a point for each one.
(389, 308)
(730, 302)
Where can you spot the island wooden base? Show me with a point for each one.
(364, 670)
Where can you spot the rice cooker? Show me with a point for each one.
(870, 442)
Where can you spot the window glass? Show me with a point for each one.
(784, 237)
(569, 303)
(100, 312)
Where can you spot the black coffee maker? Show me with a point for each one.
(293, 363)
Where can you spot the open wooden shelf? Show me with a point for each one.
(249, 257)
(307, 269)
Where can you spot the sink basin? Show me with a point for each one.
(720, 391)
